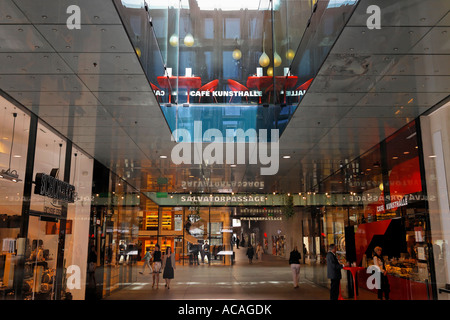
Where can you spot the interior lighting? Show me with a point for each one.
(264, 59)
(237, 54)
(189, 40)
(173, 40)
(9, 174)
(277, 59)
(290, 54)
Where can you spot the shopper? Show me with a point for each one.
(384, 283)
(156, 265)
(259, 252)
(294, 261)
(237, 243)
(168, 266)
(250, 253)
(334, 272)
(92, 266)
(147, 259)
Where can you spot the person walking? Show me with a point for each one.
(156, 265)
(250, 253)
(259, 251)
(334, 272)
(237, 243)
(147, 258)
(294, 261)
(92, 266)
(379, 262)
(168, 266)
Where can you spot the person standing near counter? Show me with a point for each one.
(384, 282)
(334, 272)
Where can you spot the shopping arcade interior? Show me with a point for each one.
(128, 138)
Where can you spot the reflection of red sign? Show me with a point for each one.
(405, 178)
(364, 235)
(183, 82)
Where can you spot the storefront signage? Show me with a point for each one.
(223, 184)
(223, 199)
(375, 198)
(261, 218)
(253, 93)
(261, 210)
(295, 93)
(52, 211)
(393, 205)
(49, 186)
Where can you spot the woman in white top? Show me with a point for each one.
(379, 262)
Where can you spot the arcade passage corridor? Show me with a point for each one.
(269, 279)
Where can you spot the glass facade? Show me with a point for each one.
(45, 210)
(387, 208)
(97, 96)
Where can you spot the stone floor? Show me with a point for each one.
(269, 279)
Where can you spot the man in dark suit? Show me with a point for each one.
(333, 272)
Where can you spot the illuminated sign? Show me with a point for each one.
(223, 199)
(252, 93)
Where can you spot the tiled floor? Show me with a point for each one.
(270, 279)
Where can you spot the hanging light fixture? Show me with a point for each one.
(290, 54)
(9, 174)
(189, 40)
(173, 40)
(237, 54)
(277, 59)
(264, 59)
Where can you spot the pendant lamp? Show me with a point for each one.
(9, 174)
(189, 40)
(264, 59)
(173, 40)
(277, 59)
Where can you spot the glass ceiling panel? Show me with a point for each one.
(240, 64)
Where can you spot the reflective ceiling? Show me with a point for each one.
(94, 87)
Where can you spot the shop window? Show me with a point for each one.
(14, 133)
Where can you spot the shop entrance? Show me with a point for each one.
(208, 233)
(41, 256)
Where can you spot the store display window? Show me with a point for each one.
(14, 132)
